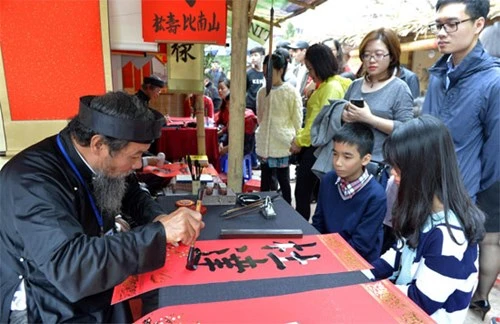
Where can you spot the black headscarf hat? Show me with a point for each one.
(154, 80)
(133, 130)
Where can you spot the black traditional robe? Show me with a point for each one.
(49, 236)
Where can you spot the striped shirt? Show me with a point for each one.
(443, 274)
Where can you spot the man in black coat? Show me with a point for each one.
(150, 89)
(64, 242)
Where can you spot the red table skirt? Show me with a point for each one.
(176, 143)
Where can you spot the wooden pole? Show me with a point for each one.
(200, 123)
(238, 90)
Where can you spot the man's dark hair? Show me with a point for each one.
(258, 49)
(474, 8)
(117, 104)
(358, 134)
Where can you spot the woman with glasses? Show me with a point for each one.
(387, 100)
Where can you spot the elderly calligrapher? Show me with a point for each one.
(64, 204)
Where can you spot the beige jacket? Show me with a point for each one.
(280, 116)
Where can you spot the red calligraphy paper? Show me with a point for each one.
(239, 260)
(173, 169)
(184, 21)
(379, 302)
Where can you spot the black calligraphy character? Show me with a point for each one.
(277, 260)
(232, 261)
(291, 244)
(302, 259)
(158, 23)
(202, 22)
(182, 50)
(218, 252)
(189, 22)
(172, 24)
(214, 25)
(244, 248)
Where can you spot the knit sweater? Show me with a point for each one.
(280, 117)
(393, 101)
(358, 220)
(443, 275)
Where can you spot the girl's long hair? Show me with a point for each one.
(422, 149)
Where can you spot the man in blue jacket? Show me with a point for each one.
(463, 91)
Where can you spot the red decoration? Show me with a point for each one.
(251, 259)
(173, 169)
(52, 54)
(184, 21)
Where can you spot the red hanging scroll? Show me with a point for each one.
(239, 260)
(184, 21)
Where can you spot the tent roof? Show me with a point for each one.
(409, 18)
(352, 20)
(283, 9)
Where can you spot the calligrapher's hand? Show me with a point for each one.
(354, 113)
(183, 225)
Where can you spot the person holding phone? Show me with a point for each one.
(379, 98)
(358, 102)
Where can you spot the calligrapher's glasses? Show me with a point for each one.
(376, 56)
(449, 27)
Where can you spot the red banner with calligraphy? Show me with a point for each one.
(243, 259)
(379, 302)
(184, 21)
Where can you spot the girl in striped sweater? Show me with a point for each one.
(435, 261)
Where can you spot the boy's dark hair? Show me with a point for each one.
(258, 49)
(358, 134)
(474, 8)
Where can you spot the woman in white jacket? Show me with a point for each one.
(280, 116)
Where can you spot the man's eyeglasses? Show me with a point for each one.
(449, 27)
(376, 56)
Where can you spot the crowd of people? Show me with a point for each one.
(429, 221)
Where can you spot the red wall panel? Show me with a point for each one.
(52, 55)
